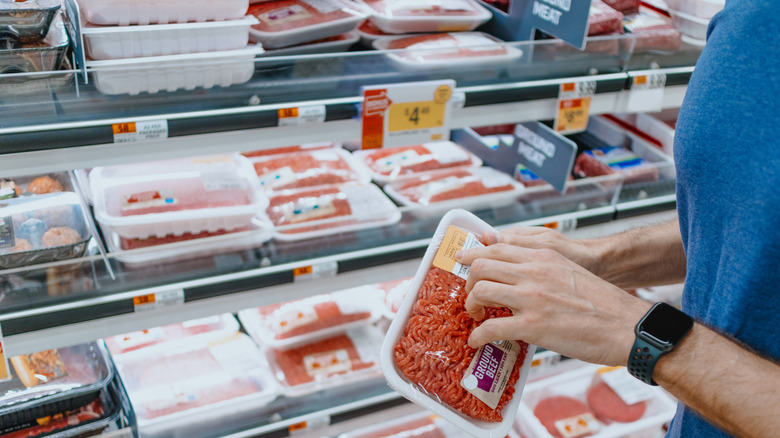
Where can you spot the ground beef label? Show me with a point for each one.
(487, 376)
(294, 316)
(284, 15)
(454, 240)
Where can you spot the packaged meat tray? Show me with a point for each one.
(410, 16)
(125, 12)
(690, 25)
(338, 43)
(117, 42)
(34, 185)
(307, 213)
(53, 381)
(286, 23)
(161, 338)
(197, 388)
(289, 149)
(624, 6)
(425, 355)
(295, 323)
(27, 20)
(307, 169)
(368, 33)
(327, 363)
(653, 31)
(42, 229)
(444, 50)
(419, 425)
(194, 195)
(614, 159)
(170, 73)
(705, 9)
(47, 54)
(390, 164)
(603, 19)
(455, 186)
(582, 402)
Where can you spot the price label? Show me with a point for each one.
(134, 132)
(315, 272)
(158, 300)
(301, 115)
(405, 114)
(574, 99)
(309, 425)
(629, 389)
(647, 93)
(5, 373)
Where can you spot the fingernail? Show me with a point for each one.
(491, 238)
(459, 254)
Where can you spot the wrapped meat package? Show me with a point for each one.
(418, 425)
(442, 50)
(390, 164)
(614, 159)
(603, 19)
(303, 169)
(407, 16)
(327, 363)
(294, 323)
(456, 184)
(425, 355)
(653, 31)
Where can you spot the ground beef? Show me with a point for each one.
(325, 358)
(303, 169)
(446, 185)
(407, 160)
(608, 406)
(603, 19)
(127, 244)
(165, 196)
(308, 205)
(284, 15)
(624, 6)
(552, 409)
(327, 313)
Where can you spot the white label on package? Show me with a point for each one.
(455, 239)
(134, 132)
(644, 20)
(365, 203)
(159, 300)
(284, 15)
(330, 362)
(304, 115)
(399, 160)
(488, 374)
(235, 355)
(209, 320)
(433, 188)
(491, 180)
(629, 389)
(149, 199)
(447, 153)
(307, 209)
(216, 181)
(278, 178)
(325, 6)
(291, 316)
(141, 337)
(325, 156)
(577, 426)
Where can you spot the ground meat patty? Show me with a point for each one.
(43, 185)
(553, 409)
(58, 236)
(434, 353)
(603, 19)
(163, 196)
(609, 407)
(322, 359)
(303, 169)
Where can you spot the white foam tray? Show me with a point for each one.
(125, 12)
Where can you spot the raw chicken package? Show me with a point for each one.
(306, 169)
(442, 50)
(336, 361)
(482, 183)
(198, 387)
(285, 23)
(390, 164)
(307, 213)
(409, 16)
(295, 323)
(425, 355)
(193, 195)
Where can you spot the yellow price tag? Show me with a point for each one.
(572, 116)
(297, 426)
(288, 112)
(303, 271)
(415, 115)
(144, 299)
(123, 128)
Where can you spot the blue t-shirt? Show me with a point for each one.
(727, 151)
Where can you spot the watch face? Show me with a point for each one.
(666, 324)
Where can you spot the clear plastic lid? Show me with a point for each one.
(405, 16)
(289, 149)
(196, 381)
(327, 363)
(295, 323)
(441, 50)
(308, 213)
(56, 374)
(307, 169)
(389, 164)
(446, 185)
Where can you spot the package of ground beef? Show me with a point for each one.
(425, 355)
(307, 169)
(407, 16)
(456, 184)
(603, 19)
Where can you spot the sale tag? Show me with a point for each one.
(406, 114)
(5, 373)
(574, 99)
(158, 300)
(134, 132)
(302, 115)
(647, 93)
(316, 271)
(309, 425)
(629, 389)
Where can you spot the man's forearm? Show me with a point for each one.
(649, 256)
(732, 387)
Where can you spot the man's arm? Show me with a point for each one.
(649, 256)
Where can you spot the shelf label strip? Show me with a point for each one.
(158, 300)
(309, 425)
(315, 272)
(647, 93)
(134, 132)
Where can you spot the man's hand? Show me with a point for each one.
(556, 303)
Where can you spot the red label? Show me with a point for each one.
(375, 104)
(569, 87)
(143, 197)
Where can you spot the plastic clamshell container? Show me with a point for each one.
(287, 23)
(117, 42)
(421, 424)
(338, 43)
(444, 50)
(296, 323)
(170, 73)
(416, 16)
(158, 339)
(125, 12)
(698, 8)
(393, 164)
(660, 127)
(52, 226)
(180, 196)
(82, 372)
(308, 169)
(575, 383)
(395, 378)
(46, 55)
(330, 210)
(27, 20)
(690, 25)
(198, 387)
(327, 363)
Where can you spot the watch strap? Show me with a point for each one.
(642, 360)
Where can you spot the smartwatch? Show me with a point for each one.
(657, 333)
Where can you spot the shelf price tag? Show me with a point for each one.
(647, 93)
(134, 132)
(5, 372)
(573, 110)
(303, 115)
(158, 300)
(406, 114)
(315, 271)
(309, 425)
